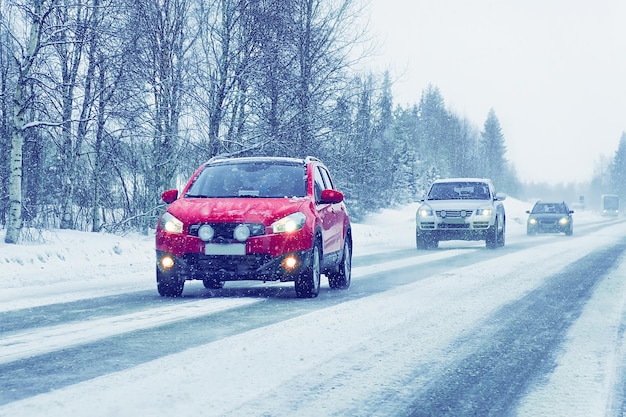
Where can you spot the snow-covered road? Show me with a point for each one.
(534, 329)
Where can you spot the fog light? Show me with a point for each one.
(241, 233)
(206, 232)
(290, 262)
(167, 262)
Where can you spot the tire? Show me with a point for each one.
(341, 279)
(307, 283)
(213, 284)
(570, 231)
(169, 285)
(502, 236)
(491, 241)
(426, 241)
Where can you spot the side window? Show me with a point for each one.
(318, 184)
(328, 182)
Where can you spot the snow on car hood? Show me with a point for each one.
(250, 210)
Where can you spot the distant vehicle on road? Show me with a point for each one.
(610, 205)
(461, 209)
(550, 217)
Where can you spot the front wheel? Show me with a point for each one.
(307, 283)
(169, 285)
(502, 236)
(341, 278)
(426, 241)
(491, 241)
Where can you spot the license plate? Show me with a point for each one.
(225, 249)
(453, 220)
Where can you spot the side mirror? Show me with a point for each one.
(331, 197)
(527, 211)
(500, 197)
(169, 196)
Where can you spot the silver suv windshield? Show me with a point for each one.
(250, 179)
(459, 191)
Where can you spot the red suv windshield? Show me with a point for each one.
(258, 179)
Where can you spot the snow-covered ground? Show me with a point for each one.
(62, 266)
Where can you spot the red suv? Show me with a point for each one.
(257, 218)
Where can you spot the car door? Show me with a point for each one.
(331, 214)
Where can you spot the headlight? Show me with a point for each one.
(532, 221)
(424, 212)
(289, 224)
(171, 224)
(484, 212)
(563, 221)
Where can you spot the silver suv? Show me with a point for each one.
(461, 209)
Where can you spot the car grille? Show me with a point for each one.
(229, 265)
(454, 225)
(225, 231)
(454, 213)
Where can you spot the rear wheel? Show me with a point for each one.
(212, 284)
(307, 283)
(169, 285)
(341, 278)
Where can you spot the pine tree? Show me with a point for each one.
(494, 149)
(618, 169)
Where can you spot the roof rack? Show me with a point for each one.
(312, 159)
(217, 158)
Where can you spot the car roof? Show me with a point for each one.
(462, 179)
(550, 202)
(251, 159)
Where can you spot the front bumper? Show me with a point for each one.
(454, 228)
(256, 266)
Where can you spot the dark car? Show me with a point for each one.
(549, 217)
(255, 218)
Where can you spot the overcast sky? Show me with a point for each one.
(554, 71)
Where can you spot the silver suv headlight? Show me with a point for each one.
(424, 211)
(484, 212)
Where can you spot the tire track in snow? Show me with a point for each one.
(48, 339)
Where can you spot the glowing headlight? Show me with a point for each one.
(289, 224)
(532, 221)
(171, 224)
(484, 212)
(423, 212)
(563, 221)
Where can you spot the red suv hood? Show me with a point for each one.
(239, 210)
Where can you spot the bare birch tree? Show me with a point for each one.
(38, 16)
(167, 39)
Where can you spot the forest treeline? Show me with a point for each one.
(104, 104)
